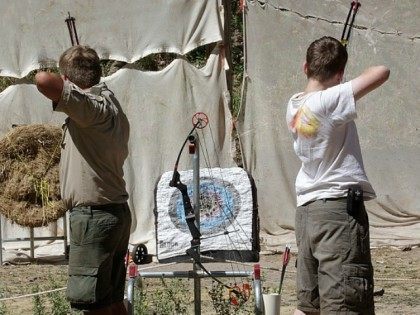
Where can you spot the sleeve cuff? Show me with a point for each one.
(60, 105)
(352, 102)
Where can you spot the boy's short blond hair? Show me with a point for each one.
(325, 58)
(81, 65)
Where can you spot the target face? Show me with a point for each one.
(226, 210)
(219, 206)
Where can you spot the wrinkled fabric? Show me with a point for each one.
(22, 104)
(34, 33)
(159, 107)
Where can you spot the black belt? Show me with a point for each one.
(333, 199)
(109, 206)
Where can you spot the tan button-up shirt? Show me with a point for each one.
(94, 148)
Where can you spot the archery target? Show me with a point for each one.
(226, 209)
(219, 205)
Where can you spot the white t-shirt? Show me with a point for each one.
(326, 141)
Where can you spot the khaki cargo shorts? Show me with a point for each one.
(334, 269)
(98, 245)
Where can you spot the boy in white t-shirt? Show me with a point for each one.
(334, 269)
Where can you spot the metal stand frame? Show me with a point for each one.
(196, 198)
(192, 274)
(32, 239)
(196, 273)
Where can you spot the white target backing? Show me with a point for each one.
(226, 212)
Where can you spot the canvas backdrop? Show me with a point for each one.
(33, 34)
(159, 105)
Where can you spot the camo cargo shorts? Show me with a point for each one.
(334, 269)
(98, 245)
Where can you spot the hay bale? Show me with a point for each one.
(29, 183)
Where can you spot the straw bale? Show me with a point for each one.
(29, 184)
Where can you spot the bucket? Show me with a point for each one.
(272, 303)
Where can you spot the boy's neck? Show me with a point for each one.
(315, 85)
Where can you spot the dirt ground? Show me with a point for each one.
(397, 276)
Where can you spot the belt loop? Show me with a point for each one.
(90, 211)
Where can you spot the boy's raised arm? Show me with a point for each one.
(49, 84)
(369, 80)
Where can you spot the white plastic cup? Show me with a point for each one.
(272, 303)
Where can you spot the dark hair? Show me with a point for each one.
(81, 65)
(325, 58)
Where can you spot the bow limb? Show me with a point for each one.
(193, 251)
(188, 209)
(195, 256)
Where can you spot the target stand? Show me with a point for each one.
(225, 209)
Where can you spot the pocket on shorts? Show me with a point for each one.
(85, 229)
(298, 225)
(358, 287)
(82, 284)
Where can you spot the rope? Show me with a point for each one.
(288, 273)
(32, 294)
(414, 280)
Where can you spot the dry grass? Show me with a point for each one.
(29, 184)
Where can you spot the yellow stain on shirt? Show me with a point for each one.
(305, 123)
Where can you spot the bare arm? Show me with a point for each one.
(369, 80)
(49, 84)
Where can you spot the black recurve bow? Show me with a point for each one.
(200, 121)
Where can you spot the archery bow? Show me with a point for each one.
(354, 7)
(71, 25)
(238, 294)
(200, 121)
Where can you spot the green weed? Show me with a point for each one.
(59, 303)
(166, 299)
(3, 309)
(223, 303)
(38, 302)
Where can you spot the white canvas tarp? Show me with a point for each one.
(278, 33)
(159, 105)
(22, 104)
(33, 34)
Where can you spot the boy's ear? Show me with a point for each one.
(305, 68)
(340, 76)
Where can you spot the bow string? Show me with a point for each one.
(200, 121)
